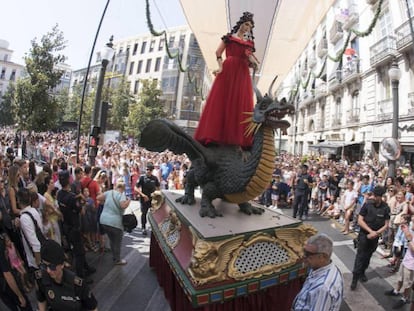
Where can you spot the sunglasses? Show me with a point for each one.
(50, 266)
(308, 254)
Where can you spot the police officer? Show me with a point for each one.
(57, 287)
(373, 220)
(145, 186)
(303, 182)
(71, 208)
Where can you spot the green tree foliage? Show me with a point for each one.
(37, 105)
(8, 106)
(149, 107)
(121, 99)
(72, 108)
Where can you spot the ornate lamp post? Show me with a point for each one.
(395, 74)
(106, 55)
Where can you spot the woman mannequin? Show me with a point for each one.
(232, 93)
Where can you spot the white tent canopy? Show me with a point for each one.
(282, 30)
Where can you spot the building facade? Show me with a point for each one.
(9, 71)
(145, 57)
(341, 86)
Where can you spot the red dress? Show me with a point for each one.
(230, 96)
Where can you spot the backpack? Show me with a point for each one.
(42, 239)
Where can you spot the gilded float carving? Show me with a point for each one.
(157, 200)
(210, 259)
(295, 238)
(171, 229)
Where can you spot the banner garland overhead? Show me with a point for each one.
(192, 80)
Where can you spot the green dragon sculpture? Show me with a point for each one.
(222, 171)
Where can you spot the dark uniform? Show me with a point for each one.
(302, 190)
(375, 216)
(70, 209)
(71, 294)
(148, 184)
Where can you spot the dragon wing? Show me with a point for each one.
(162, 134)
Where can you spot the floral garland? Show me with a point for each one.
(192, 80)
(339, 55)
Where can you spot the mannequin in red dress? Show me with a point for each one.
(232, 92)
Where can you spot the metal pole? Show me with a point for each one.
(395, 113)
(86, 81)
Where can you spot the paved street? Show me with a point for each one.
(134, 286)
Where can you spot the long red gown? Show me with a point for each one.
(230, 96)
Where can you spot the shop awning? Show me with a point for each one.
(331, 147)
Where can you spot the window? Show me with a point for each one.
(134, 51)
(161, 44)
(182, 41)
(384, 25)
(6, 57)
(139, 66)
(136, 87)
(13, 75)
(148, 66)
(171, 42)
(143, 46)
(3, 73)
(152, 44)
(157, 64)
(131, 68)
(338, 103)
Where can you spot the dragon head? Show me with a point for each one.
(270, 111)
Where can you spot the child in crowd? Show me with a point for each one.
(333, 210)
(90, 227)
(17, 263)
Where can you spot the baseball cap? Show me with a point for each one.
(150, 166)
(52, 252)
(378, 191)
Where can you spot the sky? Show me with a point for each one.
(23, 20)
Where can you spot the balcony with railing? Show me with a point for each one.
(352, 115)
(322, 48)
(383, 51)
(351, 17)
(336, 32)
(321, 91)
(336, 120)
(404, 39)
(189, 115)
(335, 80)
(351, 70)
(384, 109)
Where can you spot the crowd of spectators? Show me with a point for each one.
(33, 161)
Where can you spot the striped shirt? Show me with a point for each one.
(322, 290)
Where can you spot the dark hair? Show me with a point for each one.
(24, 196)
(246, 17)
(64, 178)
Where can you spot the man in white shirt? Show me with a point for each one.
(28, 230)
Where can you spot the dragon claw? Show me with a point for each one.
(186, 199)
(209, 211)
(249, 209)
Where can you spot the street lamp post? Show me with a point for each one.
(106, 55)
(394, 74)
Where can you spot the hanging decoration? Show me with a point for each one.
(345, 50)
(192, 80)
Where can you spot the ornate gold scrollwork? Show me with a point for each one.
(171, 229)
(210, 259)
(261, 255)
(157, 200)
(295, 238)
